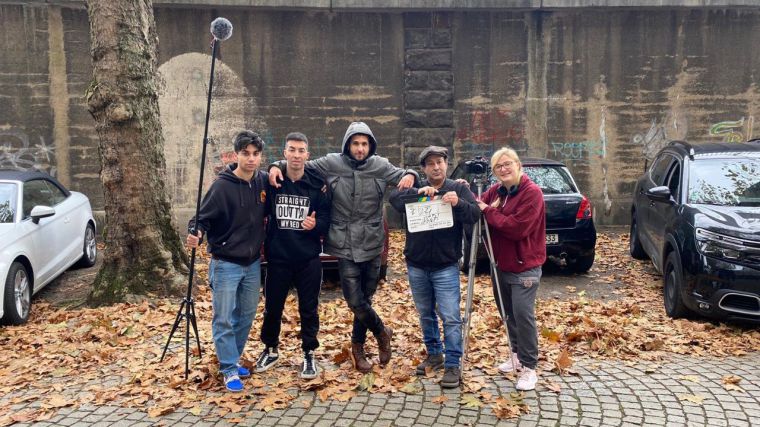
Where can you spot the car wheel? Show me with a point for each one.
(90, 249)
(18, 295)
(583, 264)
(635, 248)
(671, 289)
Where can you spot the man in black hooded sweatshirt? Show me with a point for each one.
(299, 214)
(231, 217)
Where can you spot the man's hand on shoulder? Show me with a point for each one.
(275, 177)
(406, 182)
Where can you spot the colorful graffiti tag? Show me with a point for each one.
(733, 131)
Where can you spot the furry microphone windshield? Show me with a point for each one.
(221, 28)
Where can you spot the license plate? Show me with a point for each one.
(552, 239)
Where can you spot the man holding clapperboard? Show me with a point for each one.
(435, 217)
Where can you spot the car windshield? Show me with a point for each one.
(551, 179)
(7, 202)
(727, 182)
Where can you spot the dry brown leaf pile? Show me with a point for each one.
(111, 355)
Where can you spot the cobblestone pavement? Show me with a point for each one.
(602, 393)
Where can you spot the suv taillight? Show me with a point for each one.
(584, 210)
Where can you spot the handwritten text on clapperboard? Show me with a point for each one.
(291, 211)
(428, 215)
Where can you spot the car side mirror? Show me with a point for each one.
(39, 212)
(659, 194)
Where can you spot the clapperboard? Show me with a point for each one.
(290, 211)
(425, 213)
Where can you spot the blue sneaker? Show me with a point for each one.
(243, 372)
(233, 383)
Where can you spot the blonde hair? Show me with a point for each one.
(506, 151)
(512, 155)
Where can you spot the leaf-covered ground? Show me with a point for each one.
(110, 355)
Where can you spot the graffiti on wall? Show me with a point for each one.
(733, 131)
(581, 151)
(18, 152)
(673, 127)
(494, 126)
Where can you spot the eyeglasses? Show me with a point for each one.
(505, 165)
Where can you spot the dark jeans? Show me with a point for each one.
(519, 298)
(359, 282)
(307, 278)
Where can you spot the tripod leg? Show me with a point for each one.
(195, 328)
(177, 320)
(187, 339)
(470, 290)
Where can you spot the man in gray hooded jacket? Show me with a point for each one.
(357, 180)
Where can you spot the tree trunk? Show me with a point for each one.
(143, 251)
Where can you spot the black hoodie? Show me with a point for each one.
(232, 216)
(288, 206)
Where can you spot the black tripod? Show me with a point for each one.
(477, 236)
(187, 308)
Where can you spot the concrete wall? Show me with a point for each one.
(596, 88)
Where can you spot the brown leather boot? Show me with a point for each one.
(360, 360)
(384, 345)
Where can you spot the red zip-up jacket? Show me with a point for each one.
(518, 227)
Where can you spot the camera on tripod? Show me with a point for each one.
(477, 166)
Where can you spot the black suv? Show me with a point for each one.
(570, 230)
(696, 214)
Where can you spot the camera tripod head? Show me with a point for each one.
(480, 181)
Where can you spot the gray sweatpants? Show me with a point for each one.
(519, 300)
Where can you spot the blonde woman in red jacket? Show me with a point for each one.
(514, 212)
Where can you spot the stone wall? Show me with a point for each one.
(599, 89)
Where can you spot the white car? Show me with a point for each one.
(44, 230)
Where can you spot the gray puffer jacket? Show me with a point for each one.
(357, 189)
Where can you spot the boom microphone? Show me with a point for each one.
(221, 28)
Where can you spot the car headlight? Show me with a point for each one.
(718, 245)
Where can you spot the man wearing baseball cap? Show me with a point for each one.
(432, 259)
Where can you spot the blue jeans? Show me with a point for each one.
(235, 290)
(436, 294)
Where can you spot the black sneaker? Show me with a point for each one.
(451, 377)
(434, 361)
(268, 358)
(309, 369)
